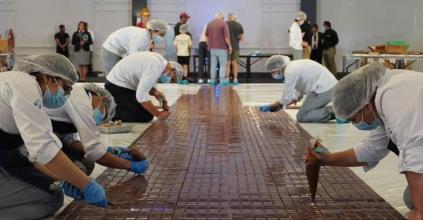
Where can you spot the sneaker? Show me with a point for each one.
(235, 82)
(211, 82)
(184, 82)
(201, 81)
(225, 83)
(341, 121)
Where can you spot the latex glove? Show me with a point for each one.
(139, 166)
(70, 190)
(265, 108)
(276, 109)
(94, 194)
(121, 152)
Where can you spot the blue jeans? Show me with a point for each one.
(221, 56)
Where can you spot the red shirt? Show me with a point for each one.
(216, 32)
(141, 25)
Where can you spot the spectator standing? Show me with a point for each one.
(90, 66)
(183, 19)
(145, 17)
(306, 30)
(296, 36)
(317, 39)
(203, 54)
(329, 44)
(183, 44)
(237, 33)
(62, 41)
(81, 40)
(218, 40)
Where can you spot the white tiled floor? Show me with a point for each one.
(384, 179)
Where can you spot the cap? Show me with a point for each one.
(184, 15)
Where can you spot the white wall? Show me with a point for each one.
(361, 23)
(35, 21)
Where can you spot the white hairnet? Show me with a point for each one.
(51, 64)
(356, 90)
(110, 101)
(276, 62)
(157, 25)
(301, 15)
(179, 70)
(183, 28)
(220, 15)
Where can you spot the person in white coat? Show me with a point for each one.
(389, 104)
(296, 36)
(129, 40)
(75, 123)
(30, 154)
(133, 80)
(303, 77)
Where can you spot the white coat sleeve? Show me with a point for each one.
(290, 93)
(81, 115)
(373, 149)
(147, 82)
(35, 128)
(137, 44)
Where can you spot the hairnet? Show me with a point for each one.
(301, 15)
(276, 62)
(110, 101)
(356, 90)
(220, 15)
(179, 70)
(157, 25)
(51, 64)
(183, 28)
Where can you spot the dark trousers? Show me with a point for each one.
(128, 108)
(202, 55)
(317, 55)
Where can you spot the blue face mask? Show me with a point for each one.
(98, 116)
(362, 125)
(165, 78)
(54, 101)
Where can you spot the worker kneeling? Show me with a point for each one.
(134, 79)
(389, 104)
(303, 77)
(30, 153)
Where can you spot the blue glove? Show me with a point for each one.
(265, 108)
(139, 166)
(94, 194)
(121, 152)
(70, 190)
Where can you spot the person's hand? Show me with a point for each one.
(94, 194)
(70, 190)
(266, 108)
(131, 154)
(159, 96)
(230, 50)
(317, 153)
(276, 108)
(163, 115)
(165, 106)
(139, 167)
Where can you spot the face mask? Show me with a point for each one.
(98, 116)
(362, 125)
(165, 78)
(278, 75)
(54, 101)
(157, 39)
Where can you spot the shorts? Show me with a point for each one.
(234, 55)
(183, 60)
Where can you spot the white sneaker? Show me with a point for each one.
(200, 81)
(209, 81)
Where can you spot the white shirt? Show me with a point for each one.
(399, 103)
(203, 37)
(183, 43)
(139, 72)
(21, 113)
(128, 40)
(295, 37)
(79, 112)
(306, 76)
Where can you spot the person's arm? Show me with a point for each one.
(335, 38)
(66, 43)
(415, 181)
(58, 42)
(345, 158)
(290, 93)
(75, 40)
(227, 37)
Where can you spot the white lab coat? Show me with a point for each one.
(139, 72)
(79, 112)
(304, 77)
(295, 37)
(21, 113)
(399, 103)
(128, 40)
